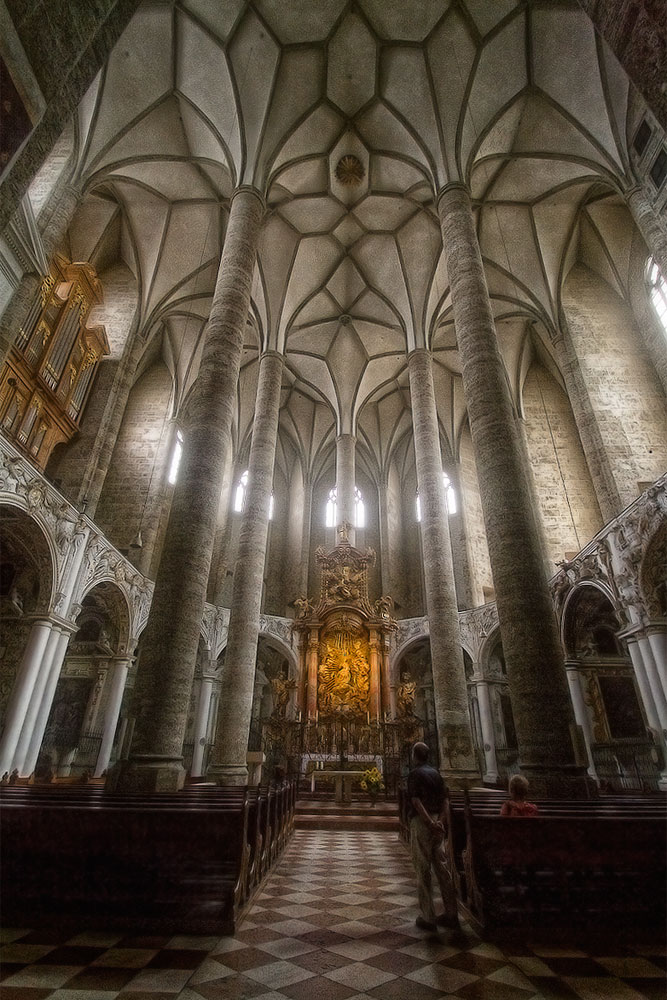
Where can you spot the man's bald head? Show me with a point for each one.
(420, 753)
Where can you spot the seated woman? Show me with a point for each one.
(517, 804)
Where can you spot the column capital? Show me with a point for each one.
(249, 189)
(452, 186)
(272, 354)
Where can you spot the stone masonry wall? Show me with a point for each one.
(129, 478)
(569, 508)
(623, 389)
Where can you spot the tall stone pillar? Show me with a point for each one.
(580, 711)
(228, 765)
(305, 535)
(536, 671)
(118, 676)
(20, 698)
(169, 643)
(201, 724)
(649, 225)
(657, 637)
(488, 735)
(457, 757)
(653, 678)
(345, 483)
(39, 727)
(41, 681)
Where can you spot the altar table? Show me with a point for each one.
(343, 784)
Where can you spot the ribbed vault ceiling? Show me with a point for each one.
(521, 101)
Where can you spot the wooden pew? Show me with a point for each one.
(564, 872)
(187, 862)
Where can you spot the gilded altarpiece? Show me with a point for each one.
(344, 652)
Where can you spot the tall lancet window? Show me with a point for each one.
(657, 290)
(176, 457)
(450, 497)
(241, 489)
(332, 506)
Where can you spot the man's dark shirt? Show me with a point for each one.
(426, 783)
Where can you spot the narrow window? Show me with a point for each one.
(271, 506)
(330, 513)
(658, 171)
(657, 290)
(359, 509)
(450, 497)
(239, 497)
(642, 137)
(176, 456)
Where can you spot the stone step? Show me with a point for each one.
(360, 815)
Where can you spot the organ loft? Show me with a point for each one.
(332, 402)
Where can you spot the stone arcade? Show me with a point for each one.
(334, 396)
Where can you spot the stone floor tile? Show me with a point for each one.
(129, 958)
(42, 976)
(279, 974)
(442, 978)
(287, 947)
(360, 976)
(164, 980)
(592, 988)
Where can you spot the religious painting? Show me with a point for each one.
(622, 708)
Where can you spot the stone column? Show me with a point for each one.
(374, 701)
(345, 484)
(649, 225)
(41, 681)
(168, 651)
(534, 657)
(118, 676)
(580, 711)
(305, 535)
(652, 716)
(657, 637)
(156, 498)
(201, 724)
(311, 681)
(383, 524)
(488, 735)
(228, 764)
(20, 698)
(46, 702)
(457, 757)
(653, 679)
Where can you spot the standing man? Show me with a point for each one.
(427, 795)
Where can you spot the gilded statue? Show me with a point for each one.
(344, 677)
(305, 607)
(345, 584)
(281, 688)
(405, 696)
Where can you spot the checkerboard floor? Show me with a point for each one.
(335, 921)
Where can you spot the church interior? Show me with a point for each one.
(333, 338)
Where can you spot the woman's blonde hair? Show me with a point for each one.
(518, 786)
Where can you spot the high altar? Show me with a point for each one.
(343, 648)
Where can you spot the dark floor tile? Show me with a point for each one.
(233, 988)
(654, 989)
(8, 969)
(257, 935)
(144, 941)
(321, 962)
(394, 961)
(244, 958)
(140, 995)
(553, 989)
(488, 989)
(404, 989)
(176, 958)
(478, 965)
(575, 967)
(659, 960)
(46, 935)
(318, 988)
(324, 938)
(100, 978)
(24, 993)
(389, 939)
(71, 955)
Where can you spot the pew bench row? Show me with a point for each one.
(184, 862)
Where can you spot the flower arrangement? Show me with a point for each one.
(371, 781)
